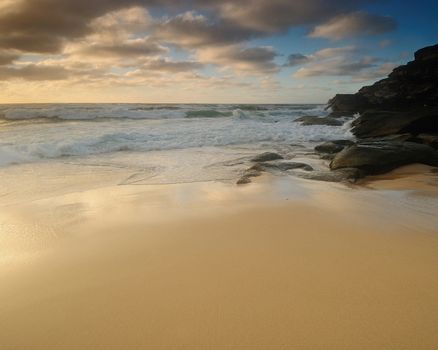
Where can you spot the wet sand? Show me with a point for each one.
(279, 264)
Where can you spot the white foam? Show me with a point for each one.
(30, 141)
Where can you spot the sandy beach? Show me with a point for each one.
(279, 264)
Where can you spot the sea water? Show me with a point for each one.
(179, 141)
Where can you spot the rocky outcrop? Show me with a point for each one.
(382, 122)
(377, 157)
(346, 175)
(247, 175)
(311, 120)
(406, 101)
(398, 119)
(281, 166)
(266, 157)
(346, 105)
(332, 147)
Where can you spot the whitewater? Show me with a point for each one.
(137, 135)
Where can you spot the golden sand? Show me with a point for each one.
(215, 266)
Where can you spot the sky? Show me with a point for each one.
(204, 51)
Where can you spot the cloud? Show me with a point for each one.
(354, 24)
(46, 25)
(7, 57)
(33, 72)
(346, 61)
(124, 49)
(336, 67)
(165, 65)
(129, 41)
(296, 59)
(259, 60)
(385, 43)
(278, 15)
(191, 30)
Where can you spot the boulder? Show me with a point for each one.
(346, 105)
(427, 53)
(340, 175)
(311, 120)
(247, 175)
(382, 123)
(404, 102)
(243, 180)
(431, 140)
(267, 156)
(332, 147)
(281, 166)
(377, 157)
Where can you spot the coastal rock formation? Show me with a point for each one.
(312, 120)
(398, 119)
(346, 105)
(350, 175)
(247, 175)
(377, 157)
(381, 123)
(332, 147)
(281, 166)
(406, 101)
(267, 156)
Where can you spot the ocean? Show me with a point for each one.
(173, 143)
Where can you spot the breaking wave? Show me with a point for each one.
(103, 129)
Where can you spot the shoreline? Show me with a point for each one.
(279, 263)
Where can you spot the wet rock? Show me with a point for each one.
(431, 140)
(411, 86)
(405, 102)
(378, 157)
(346, 105)
(332, 147)
(312, 120)
(244, 180)
(341, 175)
(247, 175)
(282, 166)
(267, 156)
(382, 123)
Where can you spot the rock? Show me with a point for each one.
(427, 53)
(243, 180)
(267, 156)
(431, 140)
(341, 175)
(346, 105)
(332, 147)
(381, 123)
(312, 120)
(408, 87)
(378, 157)
(405, 102)
(247, 175)
(282, 166)
(396, 138)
